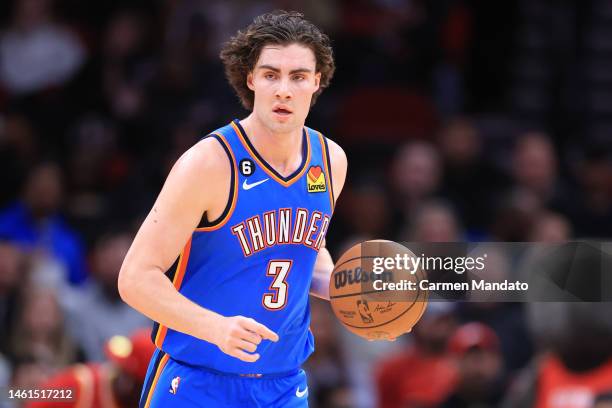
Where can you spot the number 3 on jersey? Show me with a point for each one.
(278, 270)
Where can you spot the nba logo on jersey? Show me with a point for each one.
(174, 385)
(316, 180)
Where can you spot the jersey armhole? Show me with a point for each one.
(205, 224)
(327, 160)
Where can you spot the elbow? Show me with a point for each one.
(125, 285)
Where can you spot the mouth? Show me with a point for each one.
(282, 111)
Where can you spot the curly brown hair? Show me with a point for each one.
(241, 52)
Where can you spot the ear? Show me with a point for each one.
(317, 79)
(249, 81)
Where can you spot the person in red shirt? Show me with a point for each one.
(575, 364)
(115, 383)
(480, 383)
(423, 375)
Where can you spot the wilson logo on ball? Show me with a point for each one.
(358, 275)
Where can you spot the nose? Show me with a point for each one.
(283, 90)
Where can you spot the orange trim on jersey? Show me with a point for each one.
(325, 154)
(182, 266)
(160, 368)
(177, 281)
(235, 189)
(85, 394)
(284, 183)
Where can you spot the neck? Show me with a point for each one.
(281, 150)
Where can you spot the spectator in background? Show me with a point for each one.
(550, 227)
(116, 382)
(28, 373)
(12, 277)
(476, 350)
(433, 221)
(423, 374)
(18, 150)
(603, 400)
(592, 213)
(39, 332)
(536, 188)
(576, 360)
(500, 311)
(36, 52)
(326, 367)
(515, 214)
(34, 223)
(470, 182)
(366, 207)
(534, 168)
(127, 66)
(415, 177)
(95, 312)
(5, 372)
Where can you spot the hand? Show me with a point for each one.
(239, 337)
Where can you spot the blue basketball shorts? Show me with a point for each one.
(170, 383)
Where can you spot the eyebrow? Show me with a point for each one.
(293, 71)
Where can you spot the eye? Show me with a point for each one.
(269, 76)
(298, 77)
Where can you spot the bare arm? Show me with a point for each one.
(324, 264)
(163, 234)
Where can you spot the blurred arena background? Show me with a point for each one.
(463, 120)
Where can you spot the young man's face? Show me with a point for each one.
(284, 80)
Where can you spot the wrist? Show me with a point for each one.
(211, 327)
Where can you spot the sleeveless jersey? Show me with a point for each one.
(257, 258)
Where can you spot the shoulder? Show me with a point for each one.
(208, 154)
(199, 175)
(203, 161)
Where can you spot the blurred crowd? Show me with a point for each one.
(463, 120)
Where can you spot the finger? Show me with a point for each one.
(246, 346)
(251, 337)
(241, 355)
(260, 329)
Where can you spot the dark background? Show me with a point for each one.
(462, 121)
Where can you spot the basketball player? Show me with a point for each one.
(247, 209)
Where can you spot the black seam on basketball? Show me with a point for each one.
(357, 257)
(389, 321)
(362, 293)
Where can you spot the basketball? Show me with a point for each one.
(372, 300)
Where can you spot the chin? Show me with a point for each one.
(283, 127)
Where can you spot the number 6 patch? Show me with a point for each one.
(247, 167)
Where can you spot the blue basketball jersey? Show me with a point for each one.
(257, 258)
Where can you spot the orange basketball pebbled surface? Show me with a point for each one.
(359, 302)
